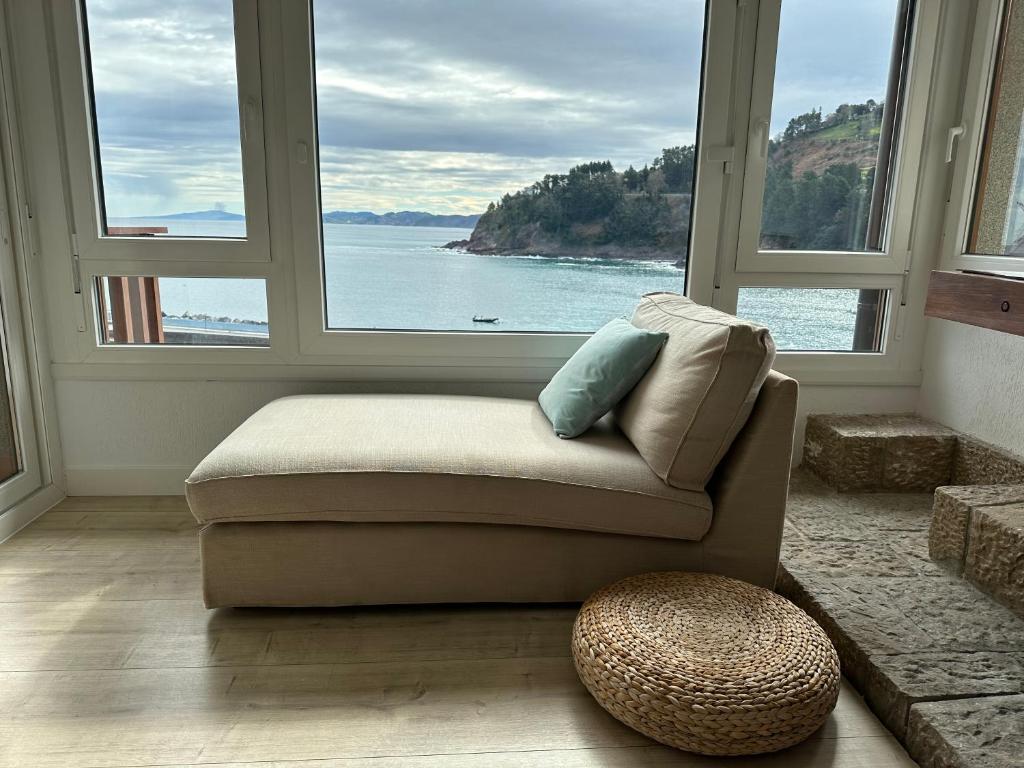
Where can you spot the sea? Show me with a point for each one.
(401, 278)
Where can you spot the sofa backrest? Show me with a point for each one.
(687, 409)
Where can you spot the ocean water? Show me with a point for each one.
(399, 278)
(402, 279)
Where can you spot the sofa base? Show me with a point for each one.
(334, 564)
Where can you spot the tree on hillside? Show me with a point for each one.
(632, 179)
(801, 124)
(591, 191)
(636, 221)
(814, 212)
(677, 164)
(655, 185)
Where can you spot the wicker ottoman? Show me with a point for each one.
(706, 663)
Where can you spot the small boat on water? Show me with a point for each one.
(482, 319)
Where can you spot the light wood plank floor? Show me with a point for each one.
(108, 658)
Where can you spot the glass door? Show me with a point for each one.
(10, 458)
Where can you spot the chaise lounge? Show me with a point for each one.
(325, 500)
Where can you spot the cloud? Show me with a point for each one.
(166, 105)
(443, 105)
(440, 182)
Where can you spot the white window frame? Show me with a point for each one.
(964, 147)
(75, 103)
(744, 265)
(890, 259)
(280, 172)
(90, 339)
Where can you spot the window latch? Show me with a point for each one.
(76, 269)
(757, 141)
(953, 138)
(248, 118)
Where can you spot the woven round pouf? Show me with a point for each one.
(706, 663)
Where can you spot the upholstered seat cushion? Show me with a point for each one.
(435, 458)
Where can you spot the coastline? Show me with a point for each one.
(552, 251)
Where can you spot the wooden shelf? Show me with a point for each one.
(987, 301)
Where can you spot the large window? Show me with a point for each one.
(504, 167)
(475, 185)
(822, 175)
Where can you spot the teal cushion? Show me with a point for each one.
(600, 374)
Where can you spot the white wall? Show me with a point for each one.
(974, 382)
(145, 437)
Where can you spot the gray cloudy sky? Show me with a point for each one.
(443, 105)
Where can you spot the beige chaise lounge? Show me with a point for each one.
(373, 499)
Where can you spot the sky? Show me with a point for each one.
(443, 105)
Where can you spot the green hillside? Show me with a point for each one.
(820, 174)
(816, 192)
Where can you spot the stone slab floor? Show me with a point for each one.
(939, 661)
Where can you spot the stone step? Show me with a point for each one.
(986, 732)
(952, 514)
(995, 554)
(861, 453)
(978, 463)
(978, 532)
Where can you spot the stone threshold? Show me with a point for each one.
(939, 662)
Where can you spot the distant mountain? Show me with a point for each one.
(213, 215)
(403, 219)
(395, 218)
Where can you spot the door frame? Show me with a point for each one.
(15, 363)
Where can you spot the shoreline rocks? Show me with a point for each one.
(610, 252)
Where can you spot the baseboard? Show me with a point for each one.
(127, 481)
(27, 510)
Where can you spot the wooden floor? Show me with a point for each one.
(108, 658)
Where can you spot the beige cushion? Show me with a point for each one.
(435, 458)
(683, 415)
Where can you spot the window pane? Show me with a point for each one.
(165, 99)
(818, 319)
(206, 311)
(832, 110)
(504, 167)
(998, 226)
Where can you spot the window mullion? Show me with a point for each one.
(720, 157)
(757, 129)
